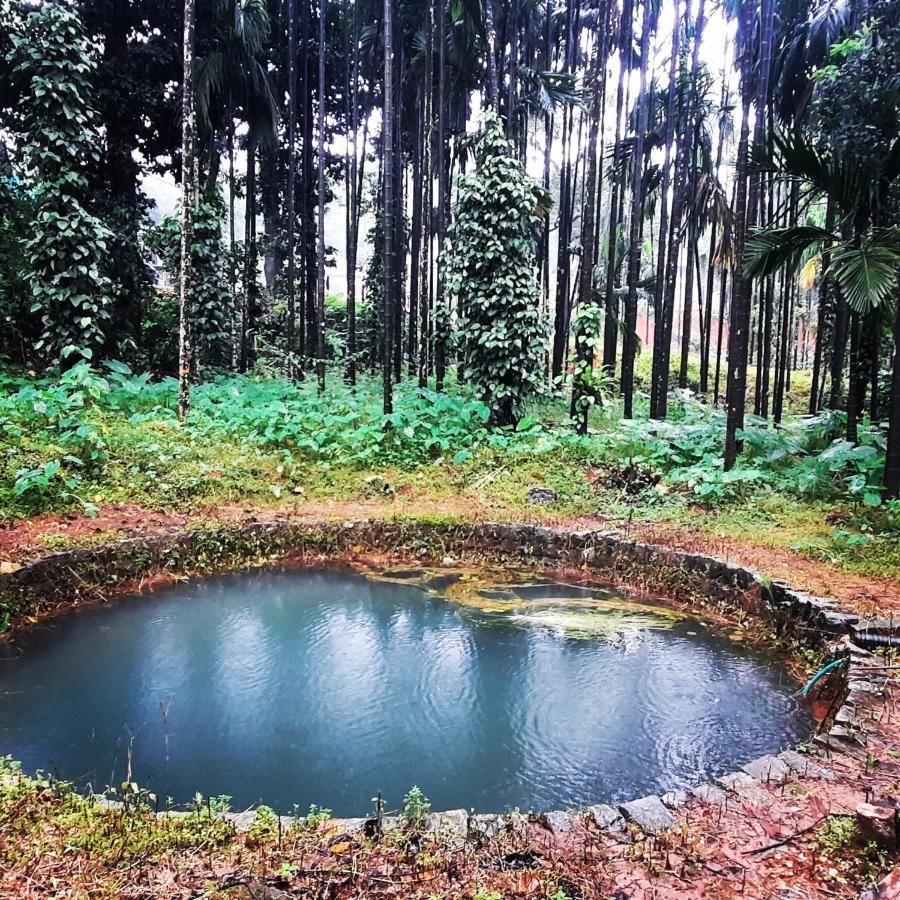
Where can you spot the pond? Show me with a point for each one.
(326, 685)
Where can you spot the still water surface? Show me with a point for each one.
(325, 686)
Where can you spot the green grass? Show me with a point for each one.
(89, 440)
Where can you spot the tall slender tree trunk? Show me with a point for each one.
(674, 238)
(388, 174)
(399, 217)
(659, 379)
(512, 113)
(706, 335)
(307, 189)
(493, 81)
(416, 276)
(693, 230)
(892, 457)
(611, 320)
(746, 211)
(564, 236)
(320, 191)
(821, 315)
(586, 280)
(351, 173)
(629, 340)
(291, 189)
(839, 348)
(441, 325)
(784, 347)
(853, 380)
(232, 262)
(188, 184)
(248, 321)
(723, 299)
(428, 214)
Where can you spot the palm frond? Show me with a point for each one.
(868, 274)
(793, 157)
(807, 43)
(210, 77)
(710, 203)
(543, 91)
(769, 250)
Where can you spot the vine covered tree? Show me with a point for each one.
(491, 273)
(188, 187)
(58, 129)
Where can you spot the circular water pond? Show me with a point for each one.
(292, 687)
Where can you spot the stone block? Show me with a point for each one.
(801, 765)
(452, 825)
(709, 793)
(606, 817)
(877, 824)
(558, 821)
(736, 781)
(767, 769)
(486, 825)
(747, 788)
(838, 621)
(648, 813)
(348, 826)
(675, 799)
(241, 820)
(846, 716)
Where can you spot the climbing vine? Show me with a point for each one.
(590, 385)
(491, 275)
(57, 128)
(212, 296)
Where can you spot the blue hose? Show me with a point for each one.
(822, 673)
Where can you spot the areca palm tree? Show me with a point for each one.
(234, 72)
(232, 78)
(864, 260)
(629, 343)
(187, 214)
(388, 168)
(746, 210)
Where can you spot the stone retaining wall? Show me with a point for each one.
(704, 581)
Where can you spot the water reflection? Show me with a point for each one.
(324, 686)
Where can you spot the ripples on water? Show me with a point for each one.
(325, 686)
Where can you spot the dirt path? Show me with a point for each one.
(862, 593)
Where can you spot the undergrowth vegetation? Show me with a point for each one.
(92, 437)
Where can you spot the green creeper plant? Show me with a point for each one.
(491, 275)
(590, 386)
(210, 267)
(66, 243)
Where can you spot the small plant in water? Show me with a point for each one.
(416, 806)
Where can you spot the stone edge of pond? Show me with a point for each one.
(66, 577)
